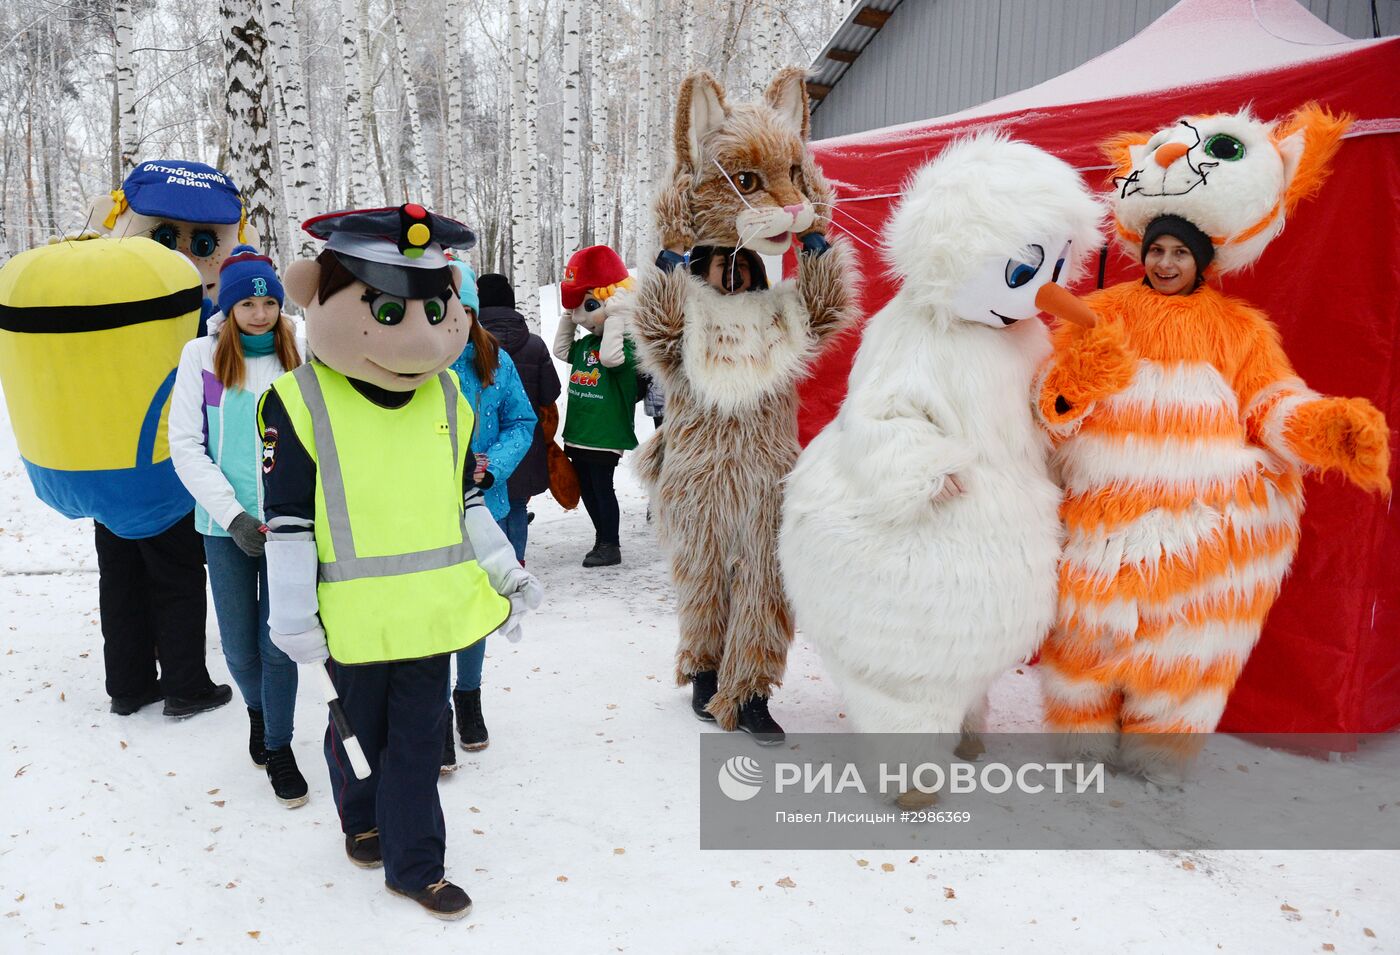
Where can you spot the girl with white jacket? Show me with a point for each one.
(217, 451)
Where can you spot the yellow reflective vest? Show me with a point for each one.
(398, 578)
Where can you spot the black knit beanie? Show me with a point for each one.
(494, 289)
(1202, 249)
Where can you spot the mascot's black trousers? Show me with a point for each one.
(151, 592)
(399, 714)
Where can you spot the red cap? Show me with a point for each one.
(594, 267)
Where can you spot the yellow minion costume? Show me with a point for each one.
(87, 369)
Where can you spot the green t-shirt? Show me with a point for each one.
(602, 401)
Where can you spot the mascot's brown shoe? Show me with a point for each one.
(363, 849)
(442, 899)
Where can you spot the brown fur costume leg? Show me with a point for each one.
(702, 576)
(760, 627)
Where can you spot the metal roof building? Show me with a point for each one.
(899, 61)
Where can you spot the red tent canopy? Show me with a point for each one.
(1329, 660)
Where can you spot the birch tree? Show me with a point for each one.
(600, 168)
(571, 142)
(357, 173)
(297, 151)
(456, 153)
(419, 181)
(250, 128)
(125, 82)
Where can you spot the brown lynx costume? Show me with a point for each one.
(729, 363)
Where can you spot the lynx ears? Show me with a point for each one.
(699, 110)
(1308, 140)
(787, 94)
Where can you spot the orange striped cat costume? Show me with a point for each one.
(1182, 435)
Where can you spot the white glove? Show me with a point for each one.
(308, 646)
(525, 593)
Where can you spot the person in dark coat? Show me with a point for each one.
(541, 380)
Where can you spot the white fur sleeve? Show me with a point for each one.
(899, 453)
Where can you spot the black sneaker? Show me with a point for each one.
(702, 687)
(754, 720)
(449, 749)
(181, 707)
(470, 726)
(256, 735)
(126, 705)
(363, 849)
(442, 899)
(604, 555)
(287, 781)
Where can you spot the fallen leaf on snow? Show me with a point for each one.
(862, 862)
(212, 792)
(231, 885)
(1188, 865)
(786, 883)
(20, 898)
(950, 922)
(1285, 907)
(619, 851)
(473, 809)
(123, 742)
(98, 859)
(254, 934)
(913, 860)
(734, 884)
(58, 905)
(1328, 947)
(20, 772)
(478, 832)
(219, 803)
(909, 910)
(561, 878)
(1365, 931)
(948, 893)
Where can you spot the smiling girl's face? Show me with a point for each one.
(253, 316)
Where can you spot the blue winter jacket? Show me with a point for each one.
(505, 423)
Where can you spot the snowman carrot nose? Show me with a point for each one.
(1060, 302)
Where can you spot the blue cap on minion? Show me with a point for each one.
(177, 189)
(247, 273)
(466, 278)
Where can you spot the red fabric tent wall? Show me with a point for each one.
(1329, 660)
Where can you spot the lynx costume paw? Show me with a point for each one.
(1095, 365)
(1346, 434)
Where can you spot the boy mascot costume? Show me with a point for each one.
(743, 178)
(91, 331)
(188, 207)
(932, 484)
(381, 554)
(1184, 434)
(602, 390)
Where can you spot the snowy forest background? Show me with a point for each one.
(544, 124)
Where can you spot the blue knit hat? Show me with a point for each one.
(247, 273)
(467, 293)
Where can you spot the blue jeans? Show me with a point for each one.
(516, 526)
(266, 677)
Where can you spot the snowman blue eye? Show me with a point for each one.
(1018, 273)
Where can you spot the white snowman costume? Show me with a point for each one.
(921, 534)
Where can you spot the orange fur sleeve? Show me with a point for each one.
(1087, 365)
(1305, 429)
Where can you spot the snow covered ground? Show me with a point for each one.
(577, 831)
